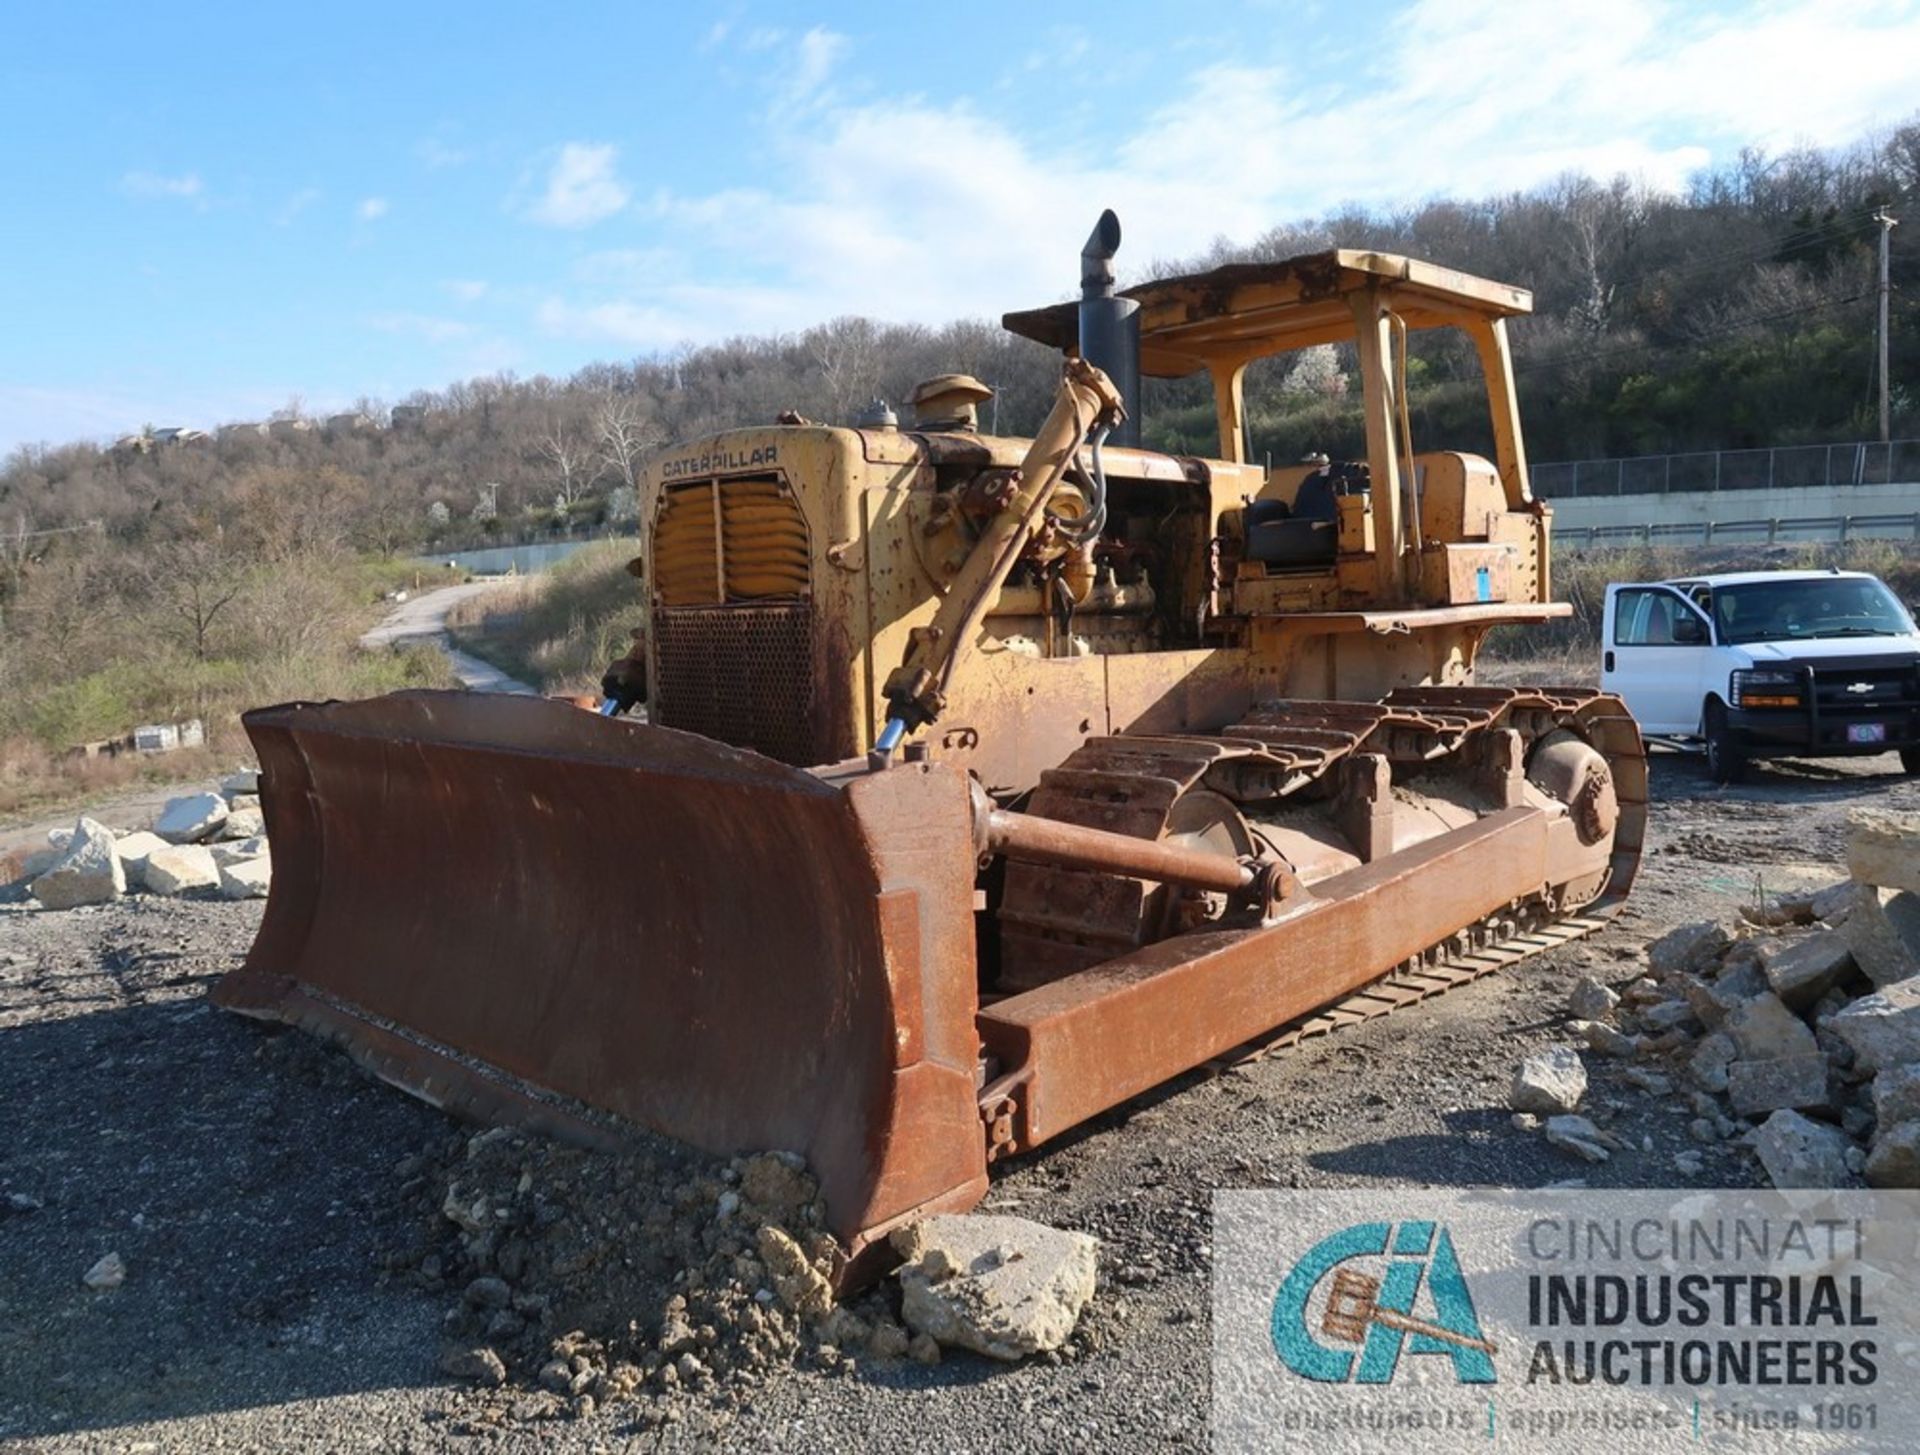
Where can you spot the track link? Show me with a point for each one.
(1057, 921)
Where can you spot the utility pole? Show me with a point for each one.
(1887, 225)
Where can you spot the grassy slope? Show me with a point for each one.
(154, 681)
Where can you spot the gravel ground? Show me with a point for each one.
(257, 1187)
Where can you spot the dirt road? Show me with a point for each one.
(423, 618)
(254, 1183)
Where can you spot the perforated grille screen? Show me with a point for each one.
(740, 674)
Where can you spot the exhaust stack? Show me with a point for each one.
(1110, 325)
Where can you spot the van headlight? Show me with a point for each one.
(1764, 687)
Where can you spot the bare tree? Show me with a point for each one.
(192, 578)
(570, 459)
(625, 436)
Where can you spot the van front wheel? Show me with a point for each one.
(1726, 755)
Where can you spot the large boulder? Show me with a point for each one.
(1882, 930)
(234, 852)
(1800, 1153)
(180, 869)
(1689, 949)
(134, 848)
(1763, 1028)
(191, 819)
(246, 879)
(247, 780)
(1000, 1286)
(1895, 1159)
(243, 823)
(88, 871)
(1802, 970)
(1896, 1095)
(1551, 1082)
(1798, 1082)
(1884, 849)
(1883, 1028)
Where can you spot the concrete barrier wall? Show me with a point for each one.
(1825, 513)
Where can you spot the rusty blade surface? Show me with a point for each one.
(476, 891)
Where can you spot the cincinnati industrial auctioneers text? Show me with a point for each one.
(1794, 1326)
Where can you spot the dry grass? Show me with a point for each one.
(560, 630)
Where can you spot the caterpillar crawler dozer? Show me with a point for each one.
(989, 782)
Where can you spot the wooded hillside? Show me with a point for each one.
(1739, 313)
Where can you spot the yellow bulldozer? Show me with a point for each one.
(986, 783)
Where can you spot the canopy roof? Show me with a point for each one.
(1248, 310)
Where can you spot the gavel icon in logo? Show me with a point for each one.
(1353, 1303)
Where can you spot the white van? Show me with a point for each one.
(1766, 664)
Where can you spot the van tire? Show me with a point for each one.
(1726, 754)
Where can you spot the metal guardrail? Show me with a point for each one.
(1863, 462)
(1828, 529)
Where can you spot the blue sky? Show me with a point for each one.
(213, 210)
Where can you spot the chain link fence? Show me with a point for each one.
(1788, 467)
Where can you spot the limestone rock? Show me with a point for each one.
(1764, 1029)
(247, 780)
(247, 879)
(88, 871)
(1714, 1000)
(1668, 1015)
(1883, 932)
(1605, 1039)
(234, 853)
(243, 823)
(177, 868)
(1884, 849)
(479, 1365)
(1797, 1082)
(1592, 1001)
(1830, 904)
(1001, 1286)
(1802, 970)
(133, 849)
(1895, 1159)
(1800, 1153)
(1883, 1028)
(1579, 1136)
(1689, 949)
(190, 819)
(109, 1273)
(1896, 1095)
(1708, 1064)
(1553, 1081)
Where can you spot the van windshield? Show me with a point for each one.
(1822, 606)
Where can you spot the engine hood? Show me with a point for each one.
(1819, 649)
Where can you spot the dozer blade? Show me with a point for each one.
(530, 913)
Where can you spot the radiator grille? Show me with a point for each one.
(761, 552)
(740, 674)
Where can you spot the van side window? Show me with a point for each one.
(1644, 618)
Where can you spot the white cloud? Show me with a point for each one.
(811, 64)
(582, 187)
(467, 290)
(185, 187)
(916, 210)
(298, 203)
(371, 209)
